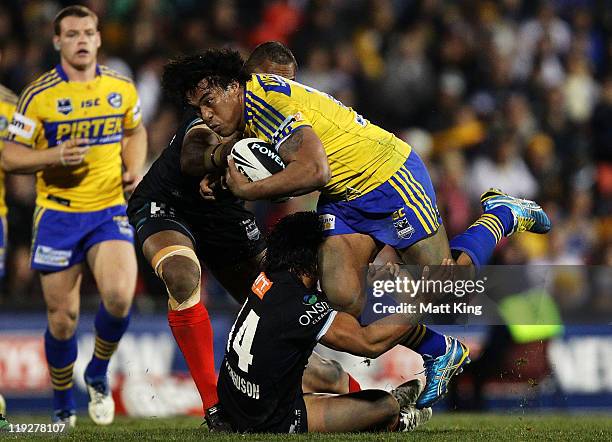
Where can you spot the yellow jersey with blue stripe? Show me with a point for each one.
(8, 101)
(361, 155)
(52, 110)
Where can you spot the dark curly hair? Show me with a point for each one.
(219, 67)
(293, 245)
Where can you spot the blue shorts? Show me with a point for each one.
(399, 212)
(62, 239)
(2, 246)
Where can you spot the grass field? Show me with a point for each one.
(444, 426)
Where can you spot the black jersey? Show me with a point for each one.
(268, 348)
(165, 182)
(223, 231)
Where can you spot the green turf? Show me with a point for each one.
(444, 426)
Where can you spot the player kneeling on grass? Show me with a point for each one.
(280, 323)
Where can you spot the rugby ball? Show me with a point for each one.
(257, 159)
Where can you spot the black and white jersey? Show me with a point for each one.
(268, 348)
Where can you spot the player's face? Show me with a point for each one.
(269, 67)
(78, 41)
(221, 109)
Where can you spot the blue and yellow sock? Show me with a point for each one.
(109, 330)
(61, 355)
(480, 239)
(425, 341)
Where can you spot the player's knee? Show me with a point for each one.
(118, 303)
(117, 296)
(334, 373)
(326, 376)
(181, 276)
(62, 322)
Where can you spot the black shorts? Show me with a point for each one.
(296, 420)
(222, 236)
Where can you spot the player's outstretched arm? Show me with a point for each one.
(21, 159)
(307, 170)
(134, 155)
(347, 335)
(204, 151)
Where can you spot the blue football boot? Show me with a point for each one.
(528, 215)
(440, 370)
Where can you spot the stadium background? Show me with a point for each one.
(516, 93)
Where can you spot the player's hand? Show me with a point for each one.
(130, 181)
(446, 271)
(390, 270)
(72, 152)
(208, 185)
(237, 183)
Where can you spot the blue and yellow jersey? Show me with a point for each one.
(361, 155)
(8, 100)
(52, 110)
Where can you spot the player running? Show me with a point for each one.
(177, 228)
(374, 189)
(78, 127)
(8, 101)
(283, 318)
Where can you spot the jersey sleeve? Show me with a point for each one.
(26, 126)
(133, 114)
(326, 325)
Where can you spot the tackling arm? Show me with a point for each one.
(307, 170)
(346, 334)
(204, 151)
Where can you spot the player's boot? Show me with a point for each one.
(410, 418)
(4, 424)
(67, 417)
(528, 215)
(407, 393)
(215, 420)
(101, 405)
(440, 370)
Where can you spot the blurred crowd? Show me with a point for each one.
(515, 94)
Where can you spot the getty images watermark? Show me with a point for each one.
(490, 295)
(406, 287)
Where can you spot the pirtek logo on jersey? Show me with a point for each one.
(102, 130)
